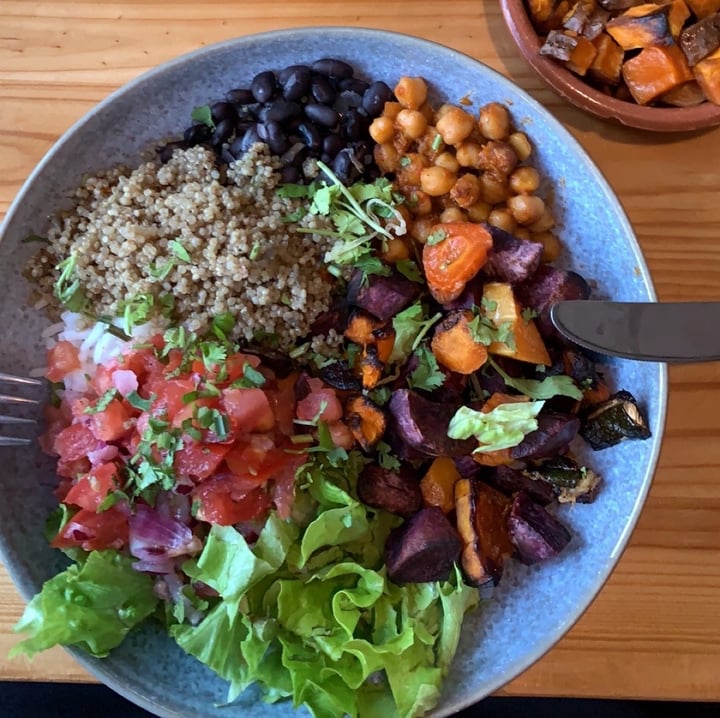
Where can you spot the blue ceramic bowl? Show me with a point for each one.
(533, 607)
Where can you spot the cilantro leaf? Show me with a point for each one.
(427, 375)
(386, 459)
(203, 114)
(410, 270)
(102, 403)
(410, 327)
(178, 250)
(436, 237)
(251, 378)
(528, 314)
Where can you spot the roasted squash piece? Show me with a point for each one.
(607, 65)
(360, 328)
(366, 420)
(438, 484)
(369, 367)
(455, 347)
(481, 513)
(527, 344)
(596, 23)
(548, 14)
(384, 341)
(579, 15)
(614, 5)
(688, 94)
(641, 26)
(677, 16)
(582, 56)
(655, 71)
(707, 74)
(701, 39)
(559, 45)
(702, 8)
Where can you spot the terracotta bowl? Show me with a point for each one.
(581, 94)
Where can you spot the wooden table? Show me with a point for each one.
(652, 632)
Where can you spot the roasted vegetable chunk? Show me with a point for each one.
(423, 425)
(512, 260)
(366, 420)
(339, 375)
(423, 549)
(383, 297)
(655, 71)
(607, 65)
(454, 345)
(569, 481)
(481, 513)
(613, 421)
(510, 481)
(707, 74)
(536, 534)
(438, 484)
(641, 26)
(550, 285)
(395, 491)
(554, 433)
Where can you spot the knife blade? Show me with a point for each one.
(673, 332)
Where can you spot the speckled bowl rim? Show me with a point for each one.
(26, 587)
(579, 93)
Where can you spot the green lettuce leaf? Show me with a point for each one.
(550, 386)
(502, 428)
(92, 606)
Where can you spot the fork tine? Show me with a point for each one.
(7, 419)
(14, 441)
(7, 399)
(13, 379)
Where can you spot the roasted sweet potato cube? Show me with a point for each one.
(677, 15)
(582, 56)
(641, 26)
(438, 484)
(360, 327)
(614, 5)
(701, 39)
(366, 420)
(655, 71)
(607, 65)
(688, 94)
(579, 15)
(559, 45)
(369, 367)
(595, 25)
(548, 14)
(707, 74)
(703, 8)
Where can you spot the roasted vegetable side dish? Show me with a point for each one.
(314, 513)
(664, 53)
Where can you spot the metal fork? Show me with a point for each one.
(11, 399)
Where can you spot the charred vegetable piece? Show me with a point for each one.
(455, 347)
(580, 367)
(360, 328)
(707, 74)
(582, 56)
(366, 420)
(468, 468)
(423, 425)
(512, 260)
(607, 65)
(338, 375)
(537, 534)
(641, 26)
(395, 491)
(424, 548)
(510, 481)
(438, 484)
(559, 45)
(655, 71)
(613, 421)
(369, 367)
(554, 433)
(595, 25)
(578, 17)
(548, 14)
(570, 481)
(481, 514)
(332, 318)
(550, 285)
(620, 4)
(383, 297)
(688, 94)
(384, 341)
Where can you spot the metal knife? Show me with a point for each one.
(674, 332)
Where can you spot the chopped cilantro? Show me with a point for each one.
(34, 238)
(213, 354)
(427, 375)
(409, 270)
(405, 161)
(255, 251)
(250, 379)
(410, 326)
(161, 271)
(111, 499)
(137, 402)
(483, 331)
(386, 459)
(222, 325)
(436, 237)
(178, 250)
(102, 403)
(203, 114)
(368, 264)
(528, 314)
(136, 310)
(381, 395)
(67, 285)
(550, 386)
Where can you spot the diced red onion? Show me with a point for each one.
(125, 381)
(103, 454)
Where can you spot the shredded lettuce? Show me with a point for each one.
(550, 386)
(502, 428)
(92, 606)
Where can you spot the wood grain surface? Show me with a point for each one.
(652, 632)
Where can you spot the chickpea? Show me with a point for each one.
(494, 121)
(524, 180)
(436, 181)
(386, 157)
(442, 110)
(428, 112)
(411, 123)
(524, 233)
(526, 208)
(411, 92)
(430, 144)
(382, 130)
(455, 125)
(408, 174)
(448, 161)
(479, 212)
(521, 144)
(503, 219)
(467, 154)
(391, 110)
(419, 203)
(551, 245)
(396, 250)
(547, 221)
(453, 214)
(493, 190)
(466, 191)
(423, 226)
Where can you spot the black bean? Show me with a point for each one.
(354, 84)
(273, 134)
(343, 167)
(249, 112)
(295, 81)
(354, 125)
(226, 156)
(347, 100)
(279, 111)
(332, 144)
(363, 150)
(310, 134)
(295, 155)
(197, 134)
(322, 114)
(289, 175)
(250, 137)
(332, 67)
(166, 151)
(263, 86)
(223, 111)
(323, 91)
(223, 131)
(375, 97)
(243, 126)
(240, 96)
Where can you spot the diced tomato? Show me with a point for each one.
(248, 410)
(95, 531)
(73, 468)
(221, 502)
(283, 492)
(145, 365)
(235, 364)
(341, 435)
(198, 461)
(321, 403)
(102, 380)
(74, 442)
(112, 422)
(258, 460)
(170, 393)
(90, 490)
(174, 359)
(61, 360)
(56, 418)
(282, 400)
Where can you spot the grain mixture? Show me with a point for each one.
(244, 259)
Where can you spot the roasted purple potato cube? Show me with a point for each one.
(511, 260)
(395, 491)
(554, 433)
(510, 481)
(550, 285)
(383, 297)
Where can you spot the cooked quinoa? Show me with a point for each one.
(244, 259)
